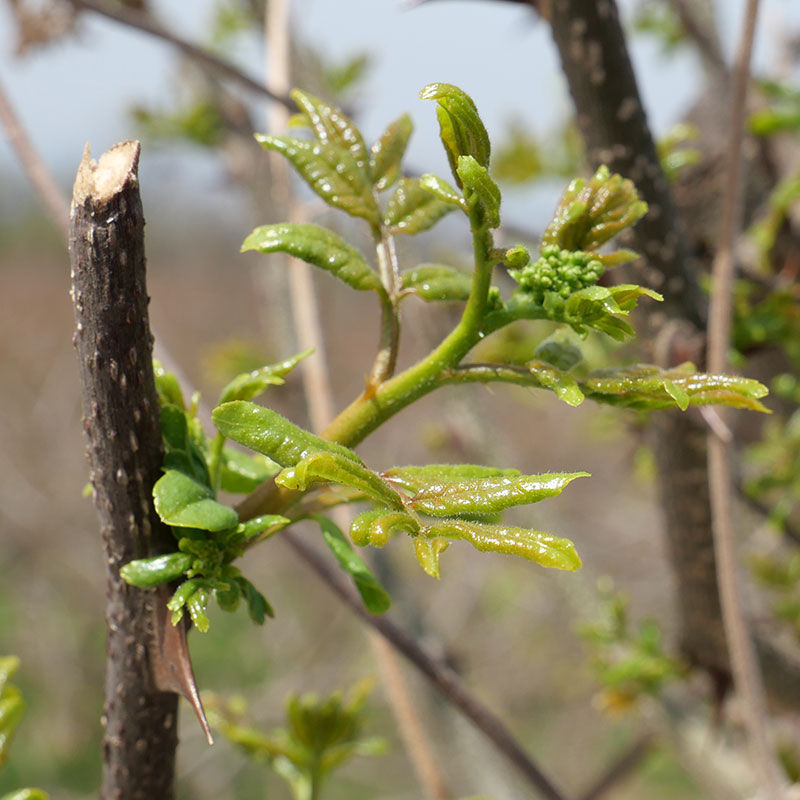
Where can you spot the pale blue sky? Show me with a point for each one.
(81, 89)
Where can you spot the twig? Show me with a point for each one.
(705, 40)
(621, 768)
(145, 22)
(747, 677)
(442, 677)
(45, 186)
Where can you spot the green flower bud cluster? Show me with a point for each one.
(560, 271)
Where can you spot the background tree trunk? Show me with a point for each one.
(121, 421)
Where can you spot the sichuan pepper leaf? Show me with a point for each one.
(549, 551)
(461, 130)
(241, 473)
(376, 526)
(182, 452)
(257, 525)
(267, 432)
(251, 384)
(330, 125)
(387, 153)
(336, 468)
(442, 190)
(413, 209)
(148, 572)
(375, 597)
(480, 188)
(331, 172)
(648, 387)
(167, 387)
(415, 478)
(433, 282)
(317, 246)
(185, 503)
(428, 551)
(562, 383)
(257, 605)
(487, 495)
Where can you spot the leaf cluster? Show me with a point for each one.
(320, 736)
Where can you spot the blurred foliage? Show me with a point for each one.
(521, 156)
(782, 112)
(12, 709)
(320, 737)
(659, 19)
(629, 660)
(779, 573)
(676, 150)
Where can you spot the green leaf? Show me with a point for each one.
(241, 473)
(375, 527)
(317, 246)
(331, 173)
(251, 384)
(167, 387)
(428, 551)
(443, 190)
(387, 153)
(413, 209)
(12, 710)
(461, 129)
(480, 188)
(487, 495)
(330, 125)
(148, 572)
(647, 387)
(186, 503)
(257, 525)
(337, 468)
(265, 431)
(562, 383)
(415, 478)
(375, 597)
(549, 551)
(198, 609)
(182, 452)
(437, 282)
(180, 596)
(560, 354)
(257, 604)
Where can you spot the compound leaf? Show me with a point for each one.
(415, 478)
(412, 209)
(480, 188)
(251, 384)
(434, 282)
(387, 153)
(185, 503)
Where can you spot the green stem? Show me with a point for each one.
(386, 360)
(369, 411)
(215, 460)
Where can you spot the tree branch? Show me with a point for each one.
(121, 421)
(145, 22)
(747, 677)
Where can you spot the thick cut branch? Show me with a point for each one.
(120, 410)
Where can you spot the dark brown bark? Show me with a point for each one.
(614, 125)
(121, 412)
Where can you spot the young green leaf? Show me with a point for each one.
(443, 190)
(549, 551)
(437, 282)
(487, 495)
(414, 478)
(560, 354)
(317, 246)
(375, 527)
(8, 666)
(257, 605)
(241, 473)
(375, 597)
(428, 551)
(331, 172)
(413, 209)
(148, 572)
(180, 596)
(182, 452)
(265, 431)
(647, 387)
(257, 525)
(198, 609)
(185, 503)
(387, 153)
(461, 129)
(336, 468)
(562, 383)
(330, 125)
(167, 387)
(25, 794)
(251, 384)
(480, 188)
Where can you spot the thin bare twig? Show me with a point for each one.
(45, 186)
(747, 677)
(145, 22)
(620, 768)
